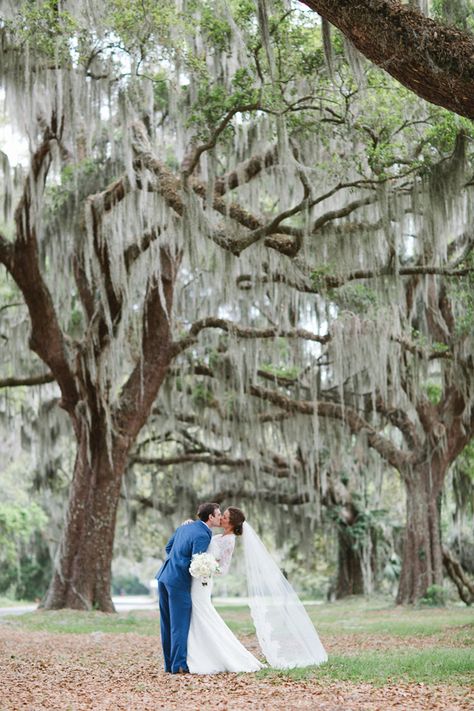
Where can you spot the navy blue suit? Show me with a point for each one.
(174, 587)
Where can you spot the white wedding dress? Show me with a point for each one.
(212, 647)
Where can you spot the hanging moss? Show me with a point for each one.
(329, 188)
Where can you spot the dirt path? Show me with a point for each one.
(41, 671)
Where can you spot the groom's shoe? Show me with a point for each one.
(181, 670)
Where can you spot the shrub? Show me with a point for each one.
(435, 597)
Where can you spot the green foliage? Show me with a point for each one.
(214, 101)
(128, 585)
(46, 28)
(216, 31)
(319, 276)
(75, 322)
(138, 22)
(25, 565)
(364, 523)
(76, 181)
(435, 596)
(461, 291)
(455, 12)
(244, 13)
(17, 525)
(202, 396)
(442, 133)
(289, 373)
(392, 568)
(356, 297)
(439, 347)
(434, 392)
(466, 459)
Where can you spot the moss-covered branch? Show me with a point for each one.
(434, 61)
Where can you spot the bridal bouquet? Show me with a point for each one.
(203, 565)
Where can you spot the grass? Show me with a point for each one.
(366, 617)
(73, 622)
(446, 658)
(428, 666)
(7, 602)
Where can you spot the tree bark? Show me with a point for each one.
(433, 60)
(82, 576)
(422, 557)
(350, 580)
(458, 576)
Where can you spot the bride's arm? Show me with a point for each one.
(226, 545)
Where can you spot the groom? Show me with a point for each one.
(174, 584)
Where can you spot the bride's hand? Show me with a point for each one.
(188, 520)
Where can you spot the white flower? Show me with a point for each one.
(203, 565)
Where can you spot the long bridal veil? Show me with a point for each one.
(285, 632)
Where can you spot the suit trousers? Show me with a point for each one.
(175, 618)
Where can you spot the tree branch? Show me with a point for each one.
(401, 421)
(342, 212)
(140, 390)
(31, 380)
(190, 162)
(22, 260)
(434, 61)
(422, 352)
(387, 450)
(246, 171)
(242, 332)
(203, 457)
(323, 281)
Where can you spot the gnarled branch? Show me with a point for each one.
(387, 450)
(22, 260)
(434, 61)
(242, 332)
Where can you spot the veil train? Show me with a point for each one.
(284, 630)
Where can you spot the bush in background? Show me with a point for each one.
(25, 562)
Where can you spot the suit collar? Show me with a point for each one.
(204, 525)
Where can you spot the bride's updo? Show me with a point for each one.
(236, 518)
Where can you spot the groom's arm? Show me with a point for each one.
(169, 545)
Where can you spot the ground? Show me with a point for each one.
(380, 658)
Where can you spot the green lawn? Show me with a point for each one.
(7, 602)
(73, 622)
(372, 640)
(428, 666)
(366, 617)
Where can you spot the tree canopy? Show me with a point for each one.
(224, 225)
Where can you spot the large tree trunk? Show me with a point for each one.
(350, 579)
(422, 556)
(82, 576)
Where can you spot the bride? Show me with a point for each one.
(285, 632)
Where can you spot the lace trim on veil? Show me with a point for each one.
(284, 630)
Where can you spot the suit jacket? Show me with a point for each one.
(188, 539)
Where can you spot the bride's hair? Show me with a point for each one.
(236, 518)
